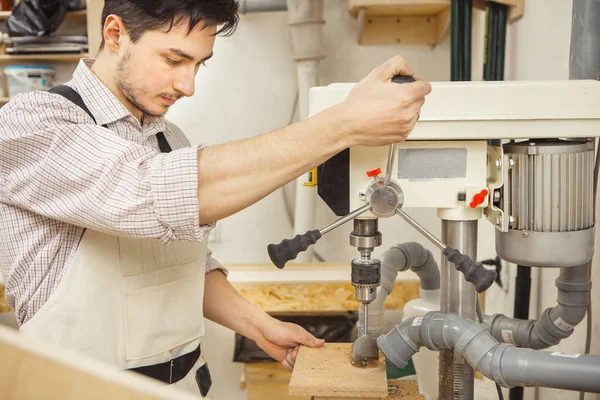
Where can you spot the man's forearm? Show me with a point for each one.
(224, 305)
(236, 175)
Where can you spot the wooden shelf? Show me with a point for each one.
(410, 21)
(42, 57)
(70, 14)
(4, 100)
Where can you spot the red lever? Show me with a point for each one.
(479, 198)
(374, 172)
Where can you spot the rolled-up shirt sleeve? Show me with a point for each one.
(212, 264)
(62, 166)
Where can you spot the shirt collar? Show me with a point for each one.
(102, 103)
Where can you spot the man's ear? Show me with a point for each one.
(114, 30)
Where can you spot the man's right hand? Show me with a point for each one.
(378, 112)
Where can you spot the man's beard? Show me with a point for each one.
(123, 79)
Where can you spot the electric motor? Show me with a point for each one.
(549, 201)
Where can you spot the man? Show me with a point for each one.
(106, 207)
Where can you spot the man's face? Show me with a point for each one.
(161, 67)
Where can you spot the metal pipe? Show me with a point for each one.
(442, 246)
(458, 297)
(503, 363)
(584, 60)
(390, 163)
(346, 218)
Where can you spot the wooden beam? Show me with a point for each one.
(33, 370)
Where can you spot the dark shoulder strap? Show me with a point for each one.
(162, 143)
(70, 94)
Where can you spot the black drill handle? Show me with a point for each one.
(473, 271)
(289, 249)
(403, 79)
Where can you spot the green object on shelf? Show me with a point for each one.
(395, 373)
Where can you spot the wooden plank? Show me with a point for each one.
(516, 7)
(321, 298)
(32, 370)
(327, 371)
(268, 381)
(399, 7)
(443, 24)
(380, 30)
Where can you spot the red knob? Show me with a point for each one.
(374, 172)
(479, 198)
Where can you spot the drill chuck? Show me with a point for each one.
(366, 277)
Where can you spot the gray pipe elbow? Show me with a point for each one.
(556, 323)
(414, 256)
(504, 363)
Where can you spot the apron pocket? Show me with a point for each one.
(139, 256)
(160, 318)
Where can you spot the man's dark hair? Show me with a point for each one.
(140, 16)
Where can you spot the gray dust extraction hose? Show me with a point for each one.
(400, 257)
(556, 323)
(503, 363)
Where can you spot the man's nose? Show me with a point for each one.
(185, 83)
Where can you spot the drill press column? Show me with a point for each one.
(458, 296)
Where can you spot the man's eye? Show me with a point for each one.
(172, 62)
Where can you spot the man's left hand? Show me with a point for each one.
(281, 340)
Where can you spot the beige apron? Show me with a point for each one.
(130, 303)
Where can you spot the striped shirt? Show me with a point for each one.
(60, 173)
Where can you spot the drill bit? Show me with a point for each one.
(366, 330)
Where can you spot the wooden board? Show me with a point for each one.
(32, 370)
(319, 297)
(268, 381)
(328, 372)
(399, 7)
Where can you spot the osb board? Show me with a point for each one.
(33, 370)
(319, 297)
(405, 390)
(4, 308)
(327, 371)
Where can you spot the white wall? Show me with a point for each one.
(249, 88)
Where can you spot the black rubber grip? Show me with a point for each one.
(403, 79)
(473, 271)
(289, 249)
